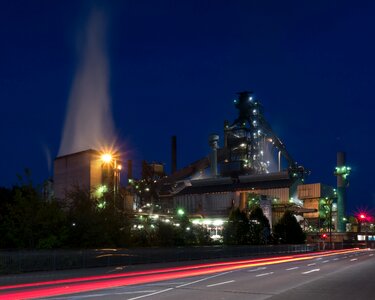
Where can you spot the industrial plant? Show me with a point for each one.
(250, 166)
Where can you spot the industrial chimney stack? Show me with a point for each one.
(174, 154)
(342, 172)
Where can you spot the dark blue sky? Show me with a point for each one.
(175, 67)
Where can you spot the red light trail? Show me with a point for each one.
(84, 284)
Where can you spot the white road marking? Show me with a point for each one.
(220, 283)
(314, 270)
(336, 258)
(148, 295)
(137, 292)
(323, 262)
(203, 279)
(345, 257)
(319, 258)
(264, 274)
(258, 269)
(182, 285)
(354, 259)
(103, 294)
(371, 255)
(292, 268)
(164, 283)
(313, 264)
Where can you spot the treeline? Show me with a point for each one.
(28, 221)
(253, 228)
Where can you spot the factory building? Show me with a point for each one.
(89, 170)
(241, 170)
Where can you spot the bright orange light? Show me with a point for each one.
(106, 158)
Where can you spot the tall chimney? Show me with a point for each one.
(174, 155)
(130, 169)
(342, 172)
(213, 142)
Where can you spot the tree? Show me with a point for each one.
(95, 222)
(288, 231)
(259, 227)
(27, 221)
(236, 231)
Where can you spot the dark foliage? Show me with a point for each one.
(288, 231)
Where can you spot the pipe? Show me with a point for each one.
(174, 154)
(213, 142)
(130, 169)
(341, 193)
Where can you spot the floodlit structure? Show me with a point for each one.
(90, 169)
(342, 172)
(242, 169)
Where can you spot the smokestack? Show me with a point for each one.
(341, 172)
(174, 154)
(130, 169)
(213, 142)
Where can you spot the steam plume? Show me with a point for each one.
(89, 123)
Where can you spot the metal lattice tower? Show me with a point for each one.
(250, 137)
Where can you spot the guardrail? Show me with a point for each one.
(20, 261)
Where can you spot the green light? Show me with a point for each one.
(101, 205)
(343, 171)
(101, 190)
(180, 212)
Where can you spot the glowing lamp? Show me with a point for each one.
(106, 158)
(362, 216)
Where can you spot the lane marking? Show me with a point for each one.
(258, 269)
(179, 286)
(354, 259)
(102, 294)
(371, 255)
(345, 257)
(264, 274)
(292, 268)
(164, 283)
(203, 279)
(323, 262)
(319, 258)
(308, 272)
(148, 295)
(336, 258)
(220, 283)
(313, 264)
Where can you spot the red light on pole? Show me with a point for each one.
(362, 217)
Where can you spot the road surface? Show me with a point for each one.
(327, 275)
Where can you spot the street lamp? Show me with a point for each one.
(113, 169)
(362, 218)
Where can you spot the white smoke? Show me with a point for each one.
(89, 123)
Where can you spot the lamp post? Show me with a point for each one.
(113, 168)
(362, 218)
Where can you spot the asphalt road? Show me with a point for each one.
(333, 276)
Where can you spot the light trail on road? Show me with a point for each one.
(84, 284)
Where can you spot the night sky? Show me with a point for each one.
(175, 68)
